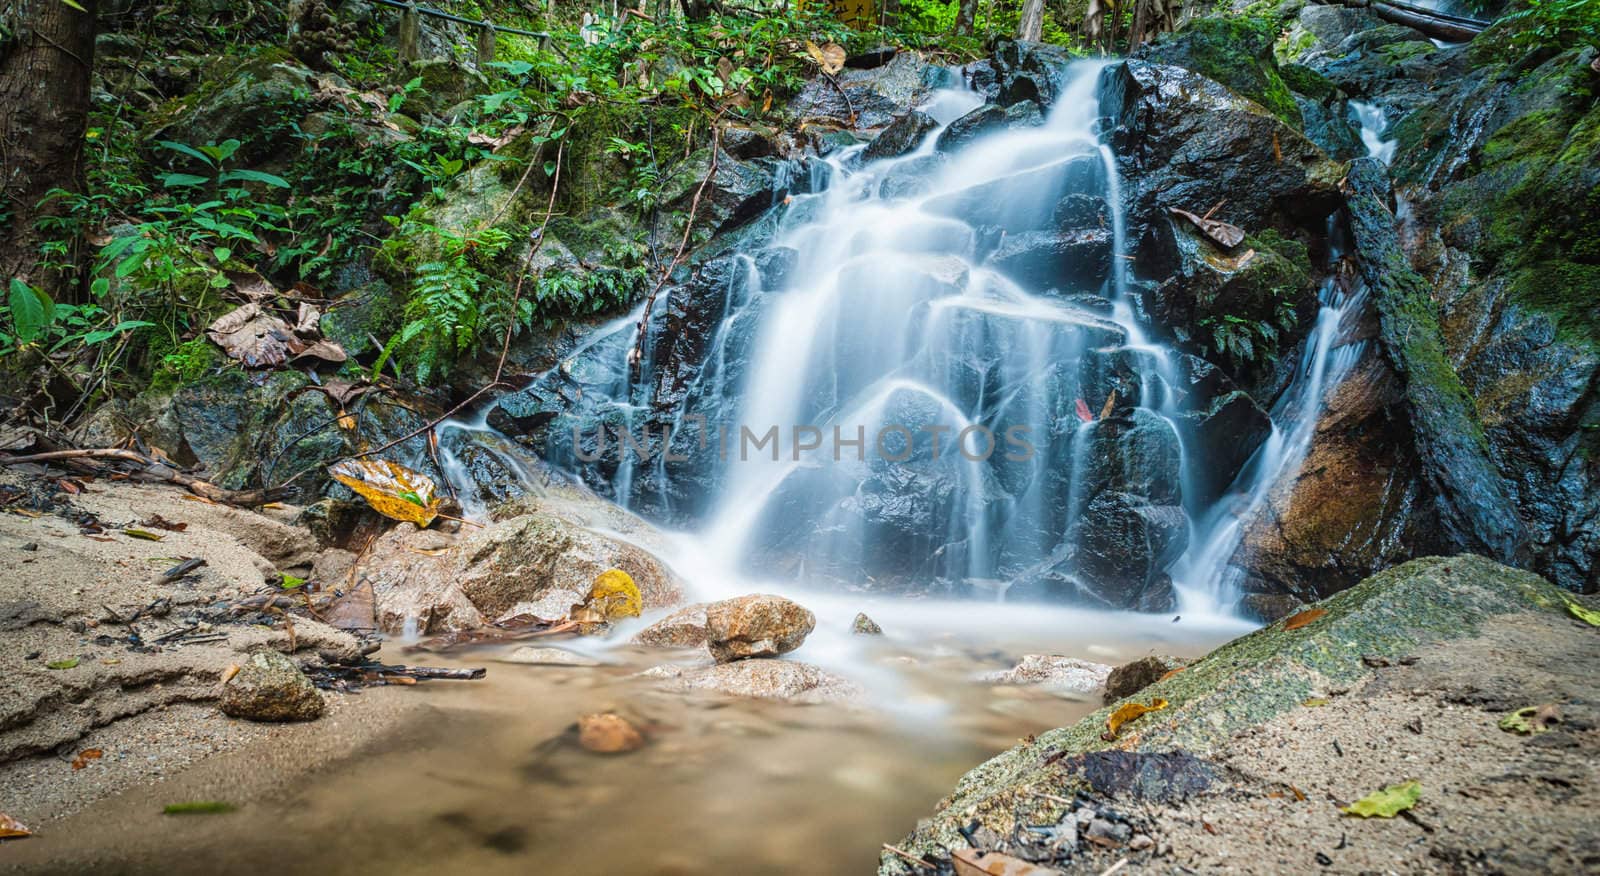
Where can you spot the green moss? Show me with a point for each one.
(1236, 52)
(190, 363)
(1304, 80)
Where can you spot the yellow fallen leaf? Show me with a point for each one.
(391, 489)
(1128, 712)
(10, 827)
(1304, 618)
(1386, 803)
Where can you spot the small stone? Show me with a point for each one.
(1064, 674)
(269, 687)
(30, 546)
(1130, 678)
(1140, 842)
(865, 626)
(608, 733)
(760, 679)
(684, 628)
(1110, 830)
(529, 655)
(759, 625)
(1085, 815)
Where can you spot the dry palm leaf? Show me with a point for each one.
(1225, 235)
(11, 828)
(391, 489)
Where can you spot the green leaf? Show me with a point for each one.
(32, 311)
(290, 582)
(127, 325)
(1386, 803)
(99, 287)
(254, 176)
(68, 663)
(143, 535)
(513, 68)
(198, 807)
(178, 180)
(186, 150)
(75, 5)
(222, 254)
(221, 151)
(1592, 618)
(1529, 720)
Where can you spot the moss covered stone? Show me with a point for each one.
(1251, 680)
(1237, 52)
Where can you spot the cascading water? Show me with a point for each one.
(929, 376)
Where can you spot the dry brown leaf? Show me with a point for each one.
(251, 286)
(1225, 235)
(1304, 618)
(326, 350)
(494, 143)
(391, 489)
(608, 733)
(251, 336)
(981, 862)
(1111, 402)
(1129, 712)
(10, 828)
(355, 610)
(829, 56)
(1171, 672)
(86, 755)
(228, 674)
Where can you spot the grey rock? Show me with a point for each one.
(270, 687)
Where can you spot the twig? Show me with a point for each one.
(920, 862)
(636, 355)
(842, 93)
(1114, 867)
(158, 471)
(1053, 798)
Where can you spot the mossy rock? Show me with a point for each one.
(1237, 52)
(1255, 678)
(257, 102)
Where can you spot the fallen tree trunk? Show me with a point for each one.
(1438, 25)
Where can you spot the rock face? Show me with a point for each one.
(269, 687)
(1130, 678)
(1254, 678)
(1064, 674)
(761, 679)
(756, 626)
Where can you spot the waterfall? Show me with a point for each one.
(927, 377)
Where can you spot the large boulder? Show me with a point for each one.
(904, 135)
(427, 582)
(684, 628)
(270, 687)
(870, 99)
(1183, 140)
(1124, 546)
(1248, 682)
(1234, 51)
(241, 102)
(756, 626)
(1077, 260)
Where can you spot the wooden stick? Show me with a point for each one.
(158, 471)
(1114, 867)
(920, 862)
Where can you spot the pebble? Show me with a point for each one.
(1140, 842)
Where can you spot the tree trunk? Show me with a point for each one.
(966, 13)
(1031, 27)
(46, 53)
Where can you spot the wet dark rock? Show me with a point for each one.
(1124, 546)
(270, 687)
(1028, 72)
(1031, 200)
(1130, 678)
(233, 105)
(1149, 777)
(987, 119)
(1227, 432)
(903, 136)
(877, 96)
(1077, 260)
(1183, 140)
